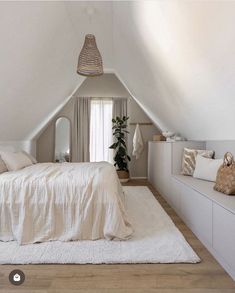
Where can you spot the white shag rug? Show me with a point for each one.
(156, 240)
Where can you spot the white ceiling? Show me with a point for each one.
(176, 57)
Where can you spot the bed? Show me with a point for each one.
(65, 202)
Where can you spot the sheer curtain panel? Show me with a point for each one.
(101, 130)
(119, 107)
(81, 131)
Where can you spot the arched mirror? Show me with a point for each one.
(62, 140)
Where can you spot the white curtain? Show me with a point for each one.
(80, 131)
(119, 107)
(101, 130)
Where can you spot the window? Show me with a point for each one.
(101, 130)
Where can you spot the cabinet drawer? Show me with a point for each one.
(175, 195)
(196, 210)
(224, 234)
(159, 166)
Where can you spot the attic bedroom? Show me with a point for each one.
(117, 146)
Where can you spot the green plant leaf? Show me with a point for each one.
(123, 142)
(113, 146)
(122, 151)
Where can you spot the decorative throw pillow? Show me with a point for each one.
(33, 160)
(3, 167)
(189, 159)
(15, 161)
(206, 169)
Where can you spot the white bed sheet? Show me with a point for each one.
(68, 201)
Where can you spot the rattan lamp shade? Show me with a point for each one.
(90, 61)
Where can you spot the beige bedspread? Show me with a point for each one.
(68, 201)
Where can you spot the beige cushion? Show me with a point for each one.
(189, 159)
(3, 167)
(15, 161)
(206, 169)
(33, 160)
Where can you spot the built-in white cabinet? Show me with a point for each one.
(160, 172)
(161, 166)
(173, 194)
(209, 214)
(224, 235)
(196, 211)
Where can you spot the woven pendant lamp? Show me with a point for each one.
(90, 61)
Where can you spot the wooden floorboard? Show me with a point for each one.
(207, 276)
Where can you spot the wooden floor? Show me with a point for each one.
(207, 276)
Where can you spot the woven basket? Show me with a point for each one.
(159, 137)
(90, 61)
(225, 179)
(123, 176)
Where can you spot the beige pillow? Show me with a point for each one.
(32, 159)
(3, 167)
(15, 161)
(189, 159)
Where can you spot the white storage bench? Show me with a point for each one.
(208, 213)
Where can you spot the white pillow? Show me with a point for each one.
(206, 169)
(32, 159)
(3, 167)
(15, 161)
(189, 159)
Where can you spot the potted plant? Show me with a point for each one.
(121, 157)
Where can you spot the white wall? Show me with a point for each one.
(40, 44)
(177, 58)
(104, 86)
(108, 85)
(26, 145)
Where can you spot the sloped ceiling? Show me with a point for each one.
(178, 59)
(175, 57)
(39, 47)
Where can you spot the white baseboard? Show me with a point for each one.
(138, 177)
